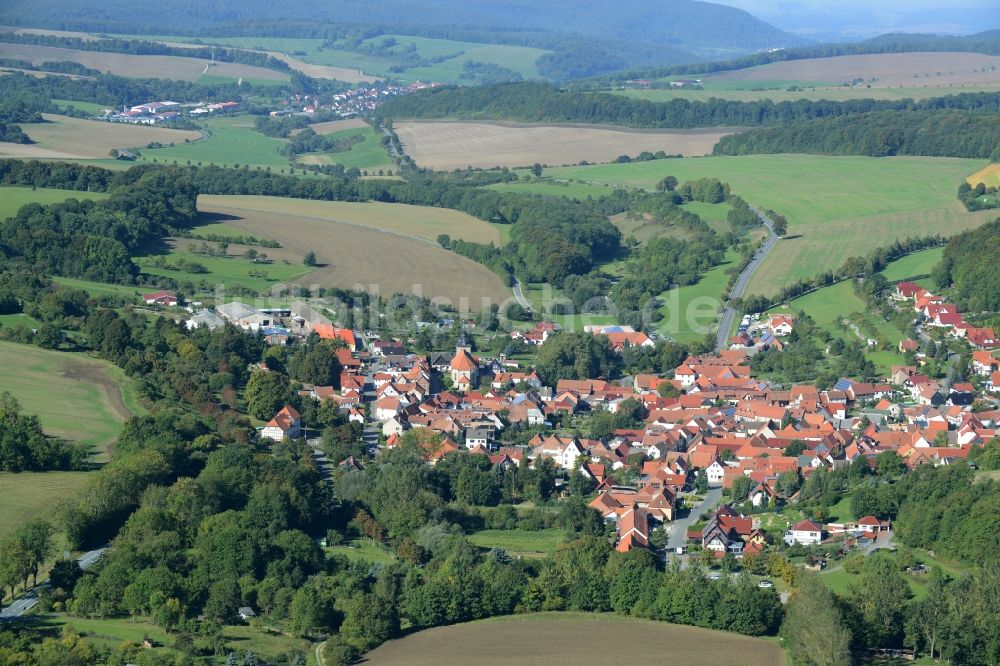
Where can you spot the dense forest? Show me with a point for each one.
(942, 133)
(970, 267)
(540, 102)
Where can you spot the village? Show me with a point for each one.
(720, 457)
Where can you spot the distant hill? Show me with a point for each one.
(987, 42)
(588, 36)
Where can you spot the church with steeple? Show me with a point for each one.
(464, 366)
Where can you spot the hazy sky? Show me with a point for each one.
(863, 18)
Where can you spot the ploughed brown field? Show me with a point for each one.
(889, 69)
(445, 145)
(570, 639)
(62, 137)
(139, 66)
(353, 254)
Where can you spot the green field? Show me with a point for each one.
(827, 306)
(749, 91)
(232, 271)
(269, 644)
(369, 155)
(233, 140)
(520, 542)
(914, 265)
(30, 495)
(692, 311)
(837, 207)
(87, 107)
(13, 197)
(92, 399)
(363, 550)
(99, 289)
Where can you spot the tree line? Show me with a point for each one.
(144, 47)
(941, 133)
(987, 42)
(24, 446)
(970, 269)
(541, 102)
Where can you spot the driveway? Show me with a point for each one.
(679, 528)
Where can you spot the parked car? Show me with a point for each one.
(765, 584)
(715, 575)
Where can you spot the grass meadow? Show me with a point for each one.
(573, 190)
(837, 207)
(92, 399)
(30, 495)
(369, 155)
(269, 644)
(13, 197)
(516, 542)
(232, 140)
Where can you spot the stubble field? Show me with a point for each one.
(456, 145)
(884, 69)
(567, 639)
(176, 68)
(355, 251)
(73, 138)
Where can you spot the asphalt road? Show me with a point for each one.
(519, 295)
(29, 599)
(740, 286)
(679, 528)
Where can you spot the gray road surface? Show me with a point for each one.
(29, 599)
(740, 286)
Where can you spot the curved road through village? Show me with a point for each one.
(740, 286)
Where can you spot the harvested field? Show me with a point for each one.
(332, 126)
(65, 137)
(140, 66)
(455, 145)
(353, 253)
(557, 639)
(989, 176)
(882, 70)
(422, 222)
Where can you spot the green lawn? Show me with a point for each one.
(91, 400)
(368, 155)
(693, 311)
(99, 289)
(520, 542)
(233, 140)
(30, 495)
(230, 271)
(18, 319)
(713, 214)
(13, 197)
(269, 645)
(828, 306)
(914, 265)
(87, 107)
(363, 550)
(837, 207)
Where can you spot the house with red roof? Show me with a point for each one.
(286, 423)
(804, 533)
(165, 298)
